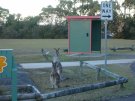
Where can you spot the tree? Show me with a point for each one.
(51, 22)
(89, 7)
(30, 27)
(48, 15)
(129, 28)
(67, 8)
(116, 25)
(3, 14)
(130, 4)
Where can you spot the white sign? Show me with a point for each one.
(106, 10)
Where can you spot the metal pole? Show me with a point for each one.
(106, 23)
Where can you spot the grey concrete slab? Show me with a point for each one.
(75, 63)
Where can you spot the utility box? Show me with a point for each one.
(84, 34)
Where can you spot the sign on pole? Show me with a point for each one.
(106, 10)
(106, 15)
(8, 69)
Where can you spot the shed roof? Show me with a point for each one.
(83, 17)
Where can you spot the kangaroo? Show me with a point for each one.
(45, 53)
(56, 73)
(54, 76)
(58, 63)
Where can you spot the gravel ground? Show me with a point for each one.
(23, 79)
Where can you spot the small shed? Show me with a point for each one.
(84, 34)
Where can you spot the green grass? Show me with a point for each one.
(33, 43)
(119, 43)
(29, 50)
(41, 78)
(30, 44)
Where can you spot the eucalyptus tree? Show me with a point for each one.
(129, 28)
(18, 17)
(130, 4)
(89, 7)
(53, 15)
(30, 27)
(68, 7)
(122, 26)
(4, 13)
(77, 7)
(48, 15)
(82, 2)
(116, 25)
(9, 28)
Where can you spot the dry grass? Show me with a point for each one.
(75, 76)
(41, 78)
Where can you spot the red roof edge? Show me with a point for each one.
(83, 17)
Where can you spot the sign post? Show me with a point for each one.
(106, 14)
(8, 69)
(106, 23)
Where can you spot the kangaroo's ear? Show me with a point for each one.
(58, 50)
(52, 64)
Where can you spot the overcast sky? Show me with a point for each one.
(29, 7)
(26, 7)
